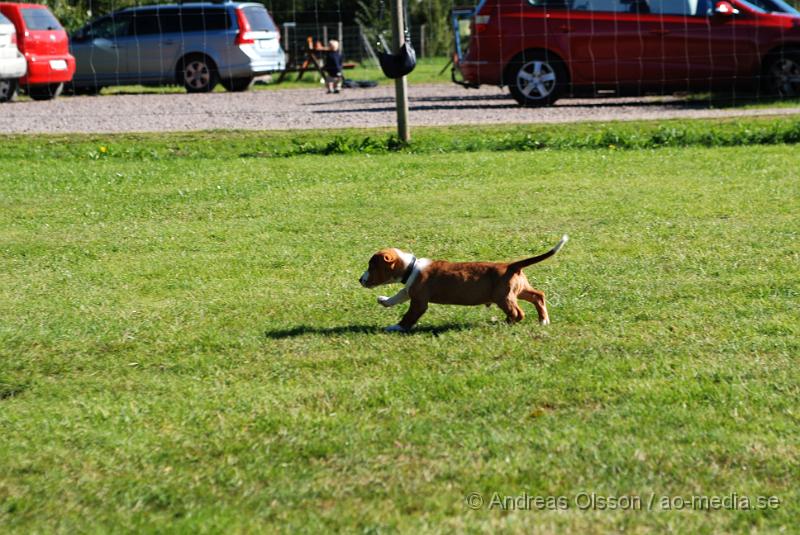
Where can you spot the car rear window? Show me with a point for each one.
(39, 19)
(259, 19)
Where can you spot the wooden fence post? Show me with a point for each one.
(400, 84)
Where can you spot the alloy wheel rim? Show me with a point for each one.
(536, 79)
(786, 77)
(197, 74)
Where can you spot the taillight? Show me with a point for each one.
(481, 22)
(244, 37)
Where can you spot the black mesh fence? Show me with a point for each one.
(357, 43)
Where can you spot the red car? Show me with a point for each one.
(544, 49)
(46, 48)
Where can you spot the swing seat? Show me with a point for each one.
(400, 64)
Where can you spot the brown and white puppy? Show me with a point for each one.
(455, 283)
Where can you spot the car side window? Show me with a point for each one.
(772, 6)
(179, 21)
(145, 23)
(550, 4)
(676, 7)
(169, 21)
(201, 20)
(613, 6)
(112, 27)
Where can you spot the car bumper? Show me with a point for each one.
(480, 72)
(246, 62)
(253, 68)
(13, 68)
(49, 69)
(267, 66)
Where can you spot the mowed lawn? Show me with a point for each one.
(184, 345)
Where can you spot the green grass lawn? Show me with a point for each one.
(184, 345)
(427, 71)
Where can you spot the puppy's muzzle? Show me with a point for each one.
(364, 278)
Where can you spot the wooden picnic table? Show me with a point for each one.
(312, 60)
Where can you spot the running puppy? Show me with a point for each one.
(454, 283)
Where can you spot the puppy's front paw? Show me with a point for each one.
(394, 329)
(545, 321)
(383, 300)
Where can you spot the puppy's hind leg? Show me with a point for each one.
(513, 312)
(537, 298)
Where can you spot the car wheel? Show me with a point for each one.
(536, 79)
(44, 91)
(198, 75)
(8, 90)
(238, 84)
(782, 75)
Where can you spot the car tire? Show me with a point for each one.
(8, 90)
(198, 74)
(237, 85)
(536, 79)
(44, 91)
(781, 74)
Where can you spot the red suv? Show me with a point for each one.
(543, 49)
(46, 48)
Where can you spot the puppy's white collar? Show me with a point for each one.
(409, 269)
(419, 267)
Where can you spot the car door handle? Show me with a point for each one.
(168, 42)
(564, 28)
(659, 32)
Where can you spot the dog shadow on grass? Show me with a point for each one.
(301, 330)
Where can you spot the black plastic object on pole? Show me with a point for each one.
(402, 63)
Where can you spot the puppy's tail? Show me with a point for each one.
(514, 267)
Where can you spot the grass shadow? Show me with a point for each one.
(738, 100)
(692, 101)
(301, 330)
(10, 389)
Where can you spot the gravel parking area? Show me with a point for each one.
(439, 104)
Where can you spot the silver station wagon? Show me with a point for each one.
(196, 45)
